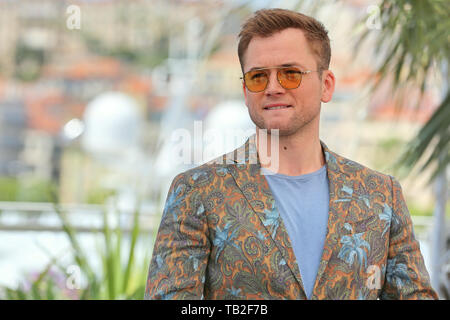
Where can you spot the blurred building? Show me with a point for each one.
(13, 125)
(140, 47)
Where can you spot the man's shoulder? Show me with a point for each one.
(206, 171)
(351, 169)
(355, 170)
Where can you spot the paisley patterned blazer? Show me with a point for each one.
(221, 237)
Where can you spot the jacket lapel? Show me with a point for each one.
(254, 186)
(340, 189)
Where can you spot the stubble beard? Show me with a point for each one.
(294, 125)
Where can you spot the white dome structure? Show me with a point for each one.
(232, 114)
(226, 127)
(112, 124)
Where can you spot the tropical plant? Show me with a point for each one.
(46, 285)
(413, 41)
(120, 277)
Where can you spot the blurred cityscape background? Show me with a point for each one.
(90, 93)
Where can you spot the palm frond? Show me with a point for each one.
(414, 42)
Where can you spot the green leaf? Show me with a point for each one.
(134, 237)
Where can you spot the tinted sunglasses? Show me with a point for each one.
(256, 80)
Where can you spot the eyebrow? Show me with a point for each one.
(290, 64)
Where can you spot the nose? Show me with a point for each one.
(274, 87)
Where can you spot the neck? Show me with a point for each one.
(297, 154)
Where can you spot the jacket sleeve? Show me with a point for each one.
(406, 275)
(181, 251)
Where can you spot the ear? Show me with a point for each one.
(328, 82)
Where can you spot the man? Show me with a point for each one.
(318, 226)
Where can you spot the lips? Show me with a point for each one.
(277, 106)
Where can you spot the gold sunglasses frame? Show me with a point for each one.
(278, 69)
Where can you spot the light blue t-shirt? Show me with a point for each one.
(303, 203)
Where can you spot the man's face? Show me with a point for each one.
(303, 103)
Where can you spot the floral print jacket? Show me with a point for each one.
(221, 237)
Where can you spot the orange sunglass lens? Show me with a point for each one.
(256, 80)
(289, 78)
